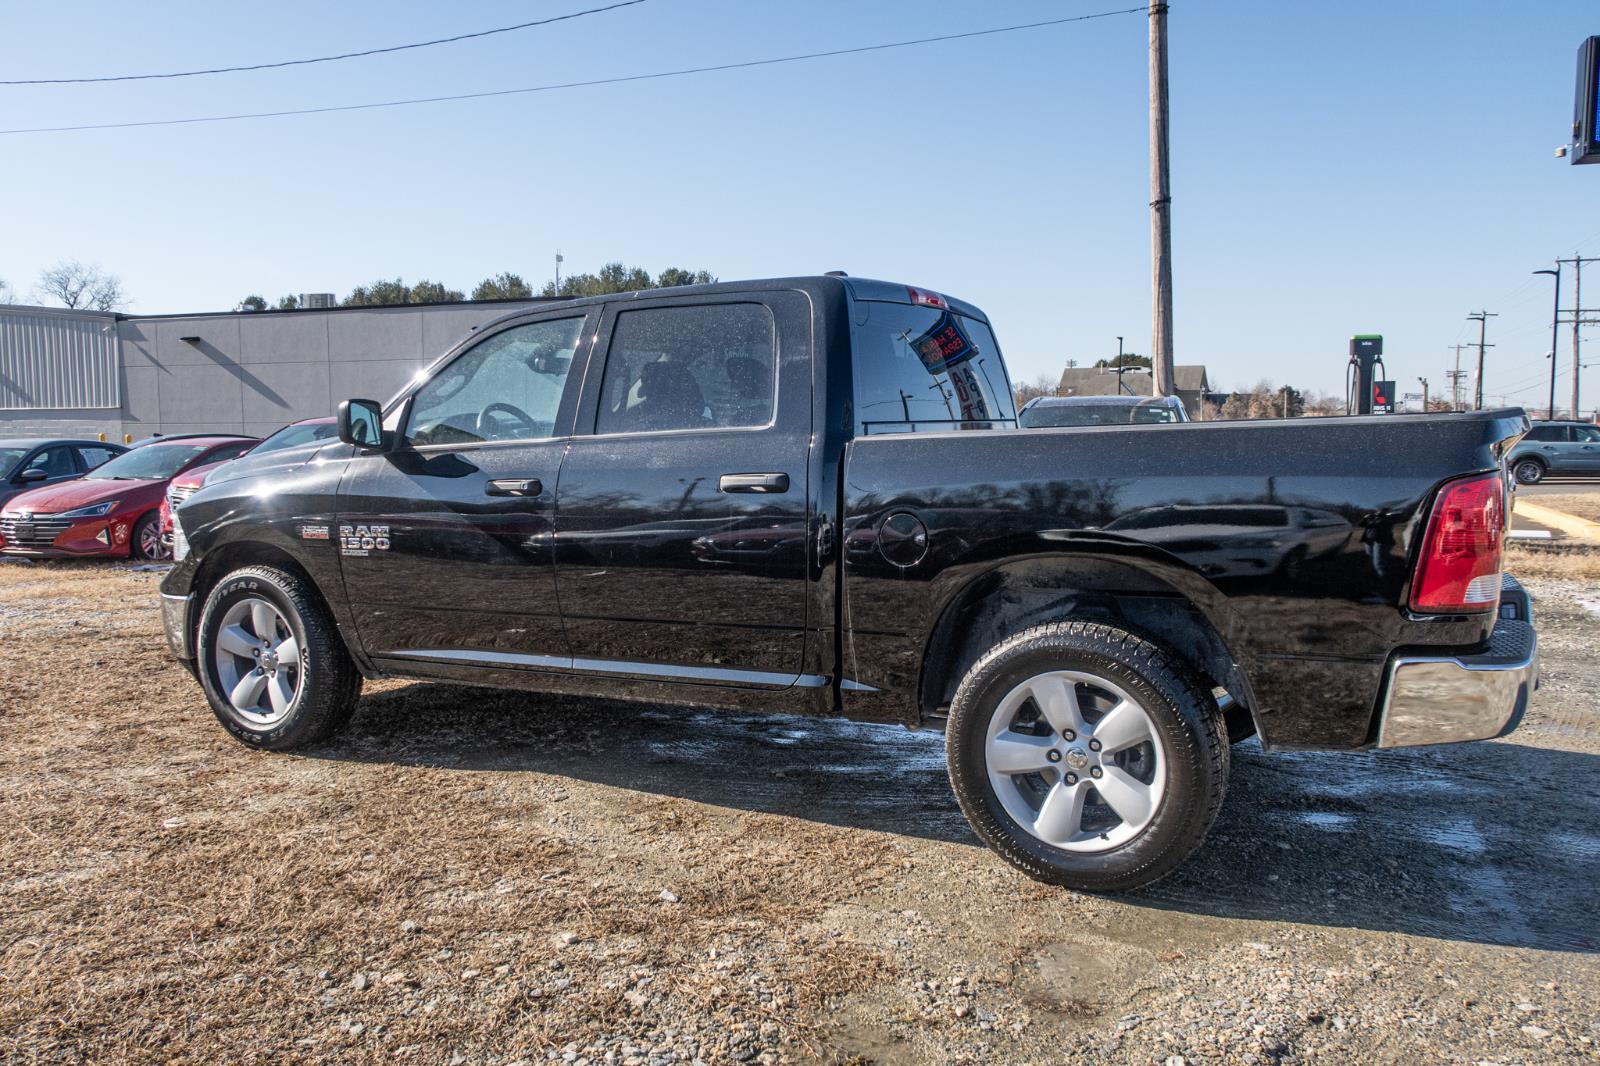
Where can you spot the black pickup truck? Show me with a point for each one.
(810, 495)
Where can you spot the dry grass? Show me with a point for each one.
(1561, 562)
(1584, 505)
(169, 895)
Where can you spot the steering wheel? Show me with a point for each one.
(486, 423)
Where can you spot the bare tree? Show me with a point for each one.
(82, 287)
(6, 295)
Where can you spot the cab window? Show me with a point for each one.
(702, 367)
(927, 369)
(506, 387)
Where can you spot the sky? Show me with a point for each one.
(1361, 167)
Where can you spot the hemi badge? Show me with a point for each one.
(314, 532)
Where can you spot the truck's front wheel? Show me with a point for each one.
(1087, 757)
(272, 664)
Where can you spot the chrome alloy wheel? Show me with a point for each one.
(150, 546)
(1075, 761)
(258, 662)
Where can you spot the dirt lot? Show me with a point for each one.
(470, 877)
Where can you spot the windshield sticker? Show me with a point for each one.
(944, 345)
(362, 540)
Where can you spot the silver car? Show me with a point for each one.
(1566, 448)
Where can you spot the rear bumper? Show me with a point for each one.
(1444, 699)
(175, 620)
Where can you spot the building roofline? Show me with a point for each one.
(62, 312)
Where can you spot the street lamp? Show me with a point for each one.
(1555, 319)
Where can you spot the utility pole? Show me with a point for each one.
(1160, 209)
(559, 261)
(1578, 311)
(1455, 377)
(1424, 394)
(1482, 319)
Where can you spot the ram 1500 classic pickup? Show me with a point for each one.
(810, 495)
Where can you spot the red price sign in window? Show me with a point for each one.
(944, 344)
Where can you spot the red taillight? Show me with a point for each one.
(924, 298)
(1459, 567)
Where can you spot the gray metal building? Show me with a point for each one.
(86, 372)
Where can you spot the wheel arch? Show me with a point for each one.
(225, 558)
(1162, 602)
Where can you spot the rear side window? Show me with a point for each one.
(926, 369)
(93, 457)
(710, 366)
(1548, 433)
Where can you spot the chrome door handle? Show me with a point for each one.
(515, 487)
(772, 483)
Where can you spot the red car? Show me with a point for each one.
(186, 484)
(115, 509)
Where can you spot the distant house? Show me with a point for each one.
(1190, 378)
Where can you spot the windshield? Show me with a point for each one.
(150, 462)
(295, 436)
(926, 369)
(9, 457)
(1041, 416)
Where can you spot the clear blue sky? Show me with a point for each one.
(1366, 166)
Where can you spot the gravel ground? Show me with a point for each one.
(469, 877)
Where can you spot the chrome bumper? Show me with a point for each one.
(1433, 699)
(175, 620)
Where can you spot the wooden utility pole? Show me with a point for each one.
(1482, 319)
(1424, 394)
(1160, 209)
(1578, 321)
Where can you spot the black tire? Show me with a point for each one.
(1528, 471)
(147, 526)
(329, 683)
(1187, 723)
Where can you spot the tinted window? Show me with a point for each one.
(507, 387)
(232, 451)
(155, 462)
(295, 436)
(93, 457)
(1586, 434)
(9, 458)
(1547, 433)
(55, 462)
(705, 367)
(924, 369)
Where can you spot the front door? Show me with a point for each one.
(1585, 450)
(445, 541)
(682, 517)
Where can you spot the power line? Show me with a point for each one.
(324, 59)
(577, 84)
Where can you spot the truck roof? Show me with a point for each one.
(859, 288)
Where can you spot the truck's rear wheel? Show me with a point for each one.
(1086, 757)
(272, 665)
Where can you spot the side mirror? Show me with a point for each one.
(28, 477)
(361, 423)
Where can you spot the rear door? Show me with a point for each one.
(445, 541)
(681, 523)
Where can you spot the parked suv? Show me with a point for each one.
(1565, 448)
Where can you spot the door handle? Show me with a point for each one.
(515, 486)
(754, 483)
